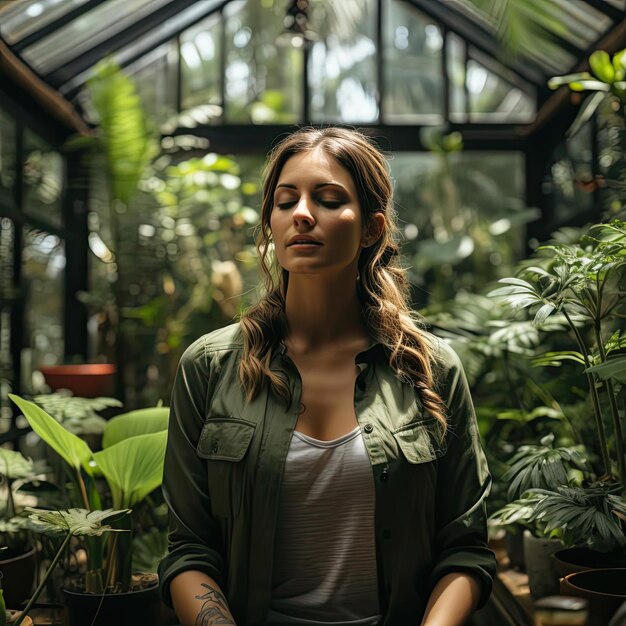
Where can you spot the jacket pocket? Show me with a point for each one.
(420, 441)
(225, 439)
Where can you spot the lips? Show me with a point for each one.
(303, 240)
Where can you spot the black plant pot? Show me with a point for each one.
(604, 588)
(18, 576)
(122, 609)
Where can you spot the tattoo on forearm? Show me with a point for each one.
(214, 609)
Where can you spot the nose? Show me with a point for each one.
(302, 213)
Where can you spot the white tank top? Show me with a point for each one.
(324, 553)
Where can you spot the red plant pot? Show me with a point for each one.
(85, 381)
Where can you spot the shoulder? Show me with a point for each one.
(226, 339)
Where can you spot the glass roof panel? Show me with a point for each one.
(20, 19)
(620, 4)
(583, 24)
(545, 52)
(149, 41)
(87, 31)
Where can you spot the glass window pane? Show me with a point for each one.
(43, 180)
(21, 19)
(43, 265)
(7, 159)
(495, 94)
(571, 168)
(463, 218)
(156, 82)
(86, 32)
(342, 64)
(412, 56)
(200, 52)
(263, 80)
(455, 52)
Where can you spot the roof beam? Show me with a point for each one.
(480, 38)
(62, 20)
(48, 97)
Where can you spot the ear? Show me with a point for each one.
(374, 230)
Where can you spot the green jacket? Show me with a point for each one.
(225, 460)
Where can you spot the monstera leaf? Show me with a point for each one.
(133, 467)
(76, 522)
(140, 422)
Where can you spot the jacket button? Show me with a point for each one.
(215, 447)
(386, 534)
(368, 428)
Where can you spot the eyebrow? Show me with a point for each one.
(318, 186)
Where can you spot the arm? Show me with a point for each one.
(208, 605)
(452, 600)
(195, 539)
(463, 484)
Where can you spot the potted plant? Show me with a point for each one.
(131, 464)
(17, 559)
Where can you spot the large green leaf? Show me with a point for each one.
(140, 422)
(78, 522)
(71, 448)
(133, 467)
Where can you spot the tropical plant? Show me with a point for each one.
(583, 281)
(607, 81)
(69, 523)
(78, 415)
(131, 463)
(13, 533)
(544, 466)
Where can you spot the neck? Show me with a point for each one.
(320, 311)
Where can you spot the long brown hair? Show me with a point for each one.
(383, 286)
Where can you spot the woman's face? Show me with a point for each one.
(316, 196)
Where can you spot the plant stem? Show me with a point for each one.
(43, 580)
(617, 427)
(111, 562)
(83, 491)
(594, 398)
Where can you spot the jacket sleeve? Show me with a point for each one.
(463, 484)
(194, 536)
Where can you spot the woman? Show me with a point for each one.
(323, 462)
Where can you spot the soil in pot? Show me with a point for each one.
(604, 588)
(570, 560)
(18, 576)
(142, 605)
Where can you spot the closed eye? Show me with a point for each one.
(329, 204)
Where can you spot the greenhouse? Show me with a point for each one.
(451, 178)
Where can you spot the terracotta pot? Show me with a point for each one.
(18, 576)
(121, 609)
(571, 560)
(604, 588)
(85, 381)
